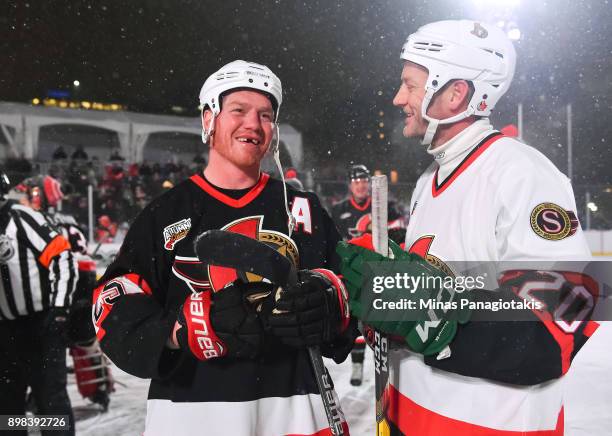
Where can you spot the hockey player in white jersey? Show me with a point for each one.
(485, 197)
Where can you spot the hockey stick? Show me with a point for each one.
(380, 240)
(106, 233)
(249, 255)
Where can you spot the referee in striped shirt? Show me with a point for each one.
(38, 275)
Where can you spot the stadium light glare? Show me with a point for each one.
(497, 3)
(514, 34)
(592, 206)
(76, 83)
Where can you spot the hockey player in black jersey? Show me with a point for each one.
(353, 218)
(219, 356)
(353, 214)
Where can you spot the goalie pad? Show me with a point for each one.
(93, 374)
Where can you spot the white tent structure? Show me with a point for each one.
(20, 126)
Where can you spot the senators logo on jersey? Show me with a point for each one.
(422, 246)
(363, 225)
(252, 227)
(216, 277)
(550, 221)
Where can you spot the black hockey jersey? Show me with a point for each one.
(354, 219)
(70, 230)
(156, 269)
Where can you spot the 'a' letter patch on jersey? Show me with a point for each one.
(550, 221)
(301, 211)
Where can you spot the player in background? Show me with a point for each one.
(353, 214)
(38, 276)
(485, 197)
(217, 355)
(43, 193)
(353, 218)
(291, 179)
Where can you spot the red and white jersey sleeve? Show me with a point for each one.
(487, 197)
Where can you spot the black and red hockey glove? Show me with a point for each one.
(313, 312)
(223, 323)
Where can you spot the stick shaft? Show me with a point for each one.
(380, 240)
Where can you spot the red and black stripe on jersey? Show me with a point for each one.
(354, 219)
(134, 331)
(439, 188)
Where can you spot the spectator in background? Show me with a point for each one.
(59, 153)
(78, 207)
(116, 155)
(133, 171)
(106, 229)
(291, 173)
(79, 153)
(145, 169)
(200, 160)
(291, 178)
(114, 175)
(170, 168)
(155, 182)
(140, 197)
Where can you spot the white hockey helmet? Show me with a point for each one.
(239, 74)
(462, 49)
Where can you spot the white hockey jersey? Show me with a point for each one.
(487, 197)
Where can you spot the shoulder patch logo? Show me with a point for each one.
(552, 222)
(175, 232)
(6, 248)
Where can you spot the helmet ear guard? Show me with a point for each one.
(207, 133)
(462, 49)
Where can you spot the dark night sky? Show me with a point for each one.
(338, 60)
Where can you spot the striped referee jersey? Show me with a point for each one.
(37, 268)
